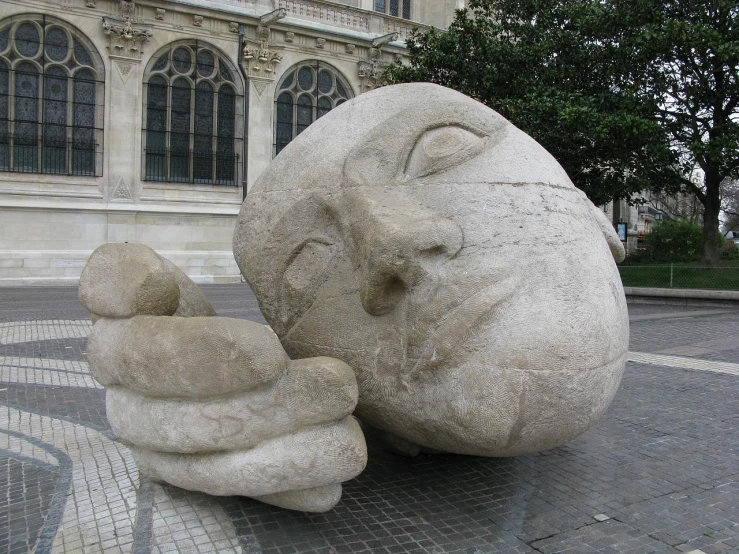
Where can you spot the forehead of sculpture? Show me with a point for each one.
(390, 118)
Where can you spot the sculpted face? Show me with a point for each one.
(447, 258)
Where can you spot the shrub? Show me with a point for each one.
(675, 241)
(728, 251)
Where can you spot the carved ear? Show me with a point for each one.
(614, 243)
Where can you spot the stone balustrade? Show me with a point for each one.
(347, 17)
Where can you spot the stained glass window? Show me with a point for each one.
(4, 39)
(81, 54)
(25, 153)
(182, 60)
(191, 122)
(305, 78)
(83, 114)
(305, 93)
(325, 81)
(323, 106)
(203, 139)
(179, 140)
(55, 119)
(206, 64)
(49, 101)
(27, 40)
(226, 160)
(4, 117)
(57, 44)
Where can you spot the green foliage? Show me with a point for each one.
(728, 251)
(626, 95)
(675, 241)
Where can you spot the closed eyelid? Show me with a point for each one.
(443, 147)
(387, 152)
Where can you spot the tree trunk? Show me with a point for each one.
(712, 207)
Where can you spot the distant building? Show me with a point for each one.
(149, 121)
(641, 218)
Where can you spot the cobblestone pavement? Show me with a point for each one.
(659, 473)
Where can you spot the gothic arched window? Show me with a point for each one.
(306, 91)
(193, 126)
(51, 98)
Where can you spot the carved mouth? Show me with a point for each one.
(439, 329)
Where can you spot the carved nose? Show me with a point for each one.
(399, 243)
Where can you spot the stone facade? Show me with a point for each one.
(50, 221)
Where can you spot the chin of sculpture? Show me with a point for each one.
(447, 258)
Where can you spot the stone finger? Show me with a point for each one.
(316, 457)
(197, 357)
(312, 391)
(124, 280)
(316, 500)
(193, 302)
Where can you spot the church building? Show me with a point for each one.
(129, 121)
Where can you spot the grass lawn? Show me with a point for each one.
(684, 276)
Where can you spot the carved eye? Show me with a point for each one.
(308, 264)
(442, 148)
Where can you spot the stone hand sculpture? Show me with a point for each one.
(214, 404)
(447, 258)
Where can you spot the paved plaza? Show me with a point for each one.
(659, 472)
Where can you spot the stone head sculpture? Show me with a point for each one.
(447, 258)
(426, 265)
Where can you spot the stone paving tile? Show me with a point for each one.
(606, 537)
(704, 517)
(660, 468)
(666, 334)
(85, 406)
(28, 487)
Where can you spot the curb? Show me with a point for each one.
(682, 297)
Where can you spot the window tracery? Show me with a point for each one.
(51, 92)
(305, 93)
(193, 124)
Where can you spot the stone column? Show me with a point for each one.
(259, 60)
(260, 132)
(123, 140)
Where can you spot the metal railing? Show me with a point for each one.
(680, 276)
(191, 166)
(29, 154)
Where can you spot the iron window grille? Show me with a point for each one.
(51, 98)
(193, 117)
(306, 92)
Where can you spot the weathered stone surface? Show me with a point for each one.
(193, 302)
(124, 280)
(448, 259)
(316, 390)
(195, 357)
(318, 499)
(214, 404)
(315, 457)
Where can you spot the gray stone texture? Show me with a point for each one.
(124, 280)
(447, 258)
(213, 404)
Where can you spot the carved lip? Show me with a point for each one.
(438, 336)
